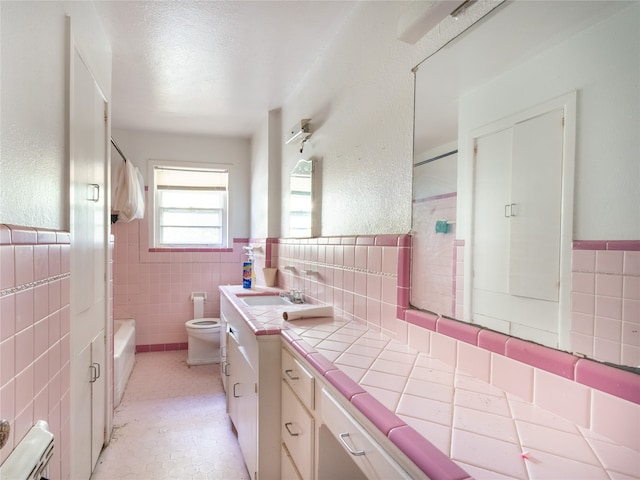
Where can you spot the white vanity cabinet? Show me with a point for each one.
(320, 438)
(253, 393)
(297, 423)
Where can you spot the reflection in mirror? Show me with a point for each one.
(514, 103)
(301, 200)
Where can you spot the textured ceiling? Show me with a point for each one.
(211, 67)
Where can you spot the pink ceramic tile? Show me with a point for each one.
(607, 328)
(562, 396)
(444, 348)
(474, 361)
(583, 303)
(390, 260)
(583, 261)
(24, 349)
(616, 419)
(607, 350)
(583, 282)
(5, 235)
(512, 376)
(320, 363)
(426, 409)
(484, 423)
(360, 256)
(41, 302)
(7, 267)
(608, 307)
(404, 267)
(458, 330)
(548, 359)
(40, 337)
(374, 258)
(7, 313)
(609, 285)
(547, 465)
(344, 384)
(631, 288)
(609, 261)
(615, 457)
(631, 311)
(618, 382)
(631, 263)
(7, 364)
(435, 464)
(23, 255)
(24, 387)
(430, 390)
(387, 381)
(488, 453)
(557, 442)
(40, 261)
(422, 319)
(492, 341)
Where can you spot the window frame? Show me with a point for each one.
(154, 204)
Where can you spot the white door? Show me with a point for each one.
(516, 227)
(88, 159)
(98, 396)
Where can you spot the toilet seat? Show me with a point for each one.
(202, 323)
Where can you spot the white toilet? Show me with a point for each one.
(204, 341)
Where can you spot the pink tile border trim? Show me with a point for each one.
(425, 455)
(544, 358)
(161, 347)
(17, 235)
(615, 381)
(630, 245)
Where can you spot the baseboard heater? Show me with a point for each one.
(30, 458)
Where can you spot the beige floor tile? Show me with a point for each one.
(172, 424)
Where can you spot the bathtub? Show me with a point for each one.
(124, 354)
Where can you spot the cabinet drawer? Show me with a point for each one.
(370, 457)
(287, 468)
(298, 378)
(297, 432)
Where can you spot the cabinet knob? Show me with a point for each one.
(287, 426)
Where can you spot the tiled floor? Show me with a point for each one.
(171, 424)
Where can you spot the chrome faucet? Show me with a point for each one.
(295, 296)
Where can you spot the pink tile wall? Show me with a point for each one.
(365, 278)
(581, 390)
(605, 301)
(34, 337)
(154, 286)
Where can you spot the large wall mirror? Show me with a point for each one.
(513, 120)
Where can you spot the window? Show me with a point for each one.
(189, 207)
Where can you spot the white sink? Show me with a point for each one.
(253, 300)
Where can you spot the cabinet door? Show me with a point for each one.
(536, 199)
(242, 403)
(516, 228)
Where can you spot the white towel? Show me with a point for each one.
(128, 201)
(307, 312)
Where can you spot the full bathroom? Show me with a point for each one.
(382, 169)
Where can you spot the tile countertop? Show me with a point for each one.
(487, 432)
